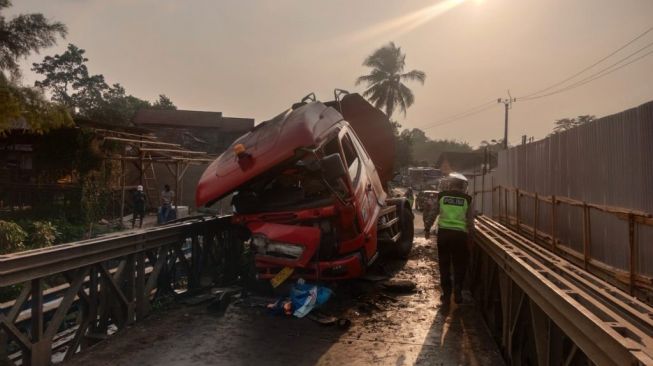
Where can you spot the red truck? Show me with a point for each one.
(309, 187)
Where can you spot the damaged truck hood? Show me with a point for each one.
(266, 146)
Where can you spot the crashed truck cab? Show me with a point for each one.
(308, 185)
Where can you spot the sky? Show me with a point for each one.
(254, 58)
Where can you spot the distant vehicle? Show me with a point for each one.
(423, 196)
(310, 189)
(421, 178)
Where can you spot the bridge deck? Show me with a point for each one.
(413, 330)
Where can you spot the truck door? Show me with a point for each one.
(364, 194)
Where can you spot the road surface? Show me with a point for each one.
(387, 329)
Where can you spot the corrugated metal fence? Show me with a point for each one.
(606, 162)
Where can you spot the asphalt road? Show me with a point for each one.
(387, 329)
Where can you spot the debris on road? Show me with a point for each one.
(399, 286)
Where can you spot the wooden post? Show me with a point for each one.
(587, 240)
(122, 193)
(483, 189)
(505, 205)
(553, 223)
(517, 210)
(176, 185)
(492, 185)
(632, 253)
(535, 217)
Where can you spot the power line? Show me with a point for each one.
(590, 66)
(461, 116)
(454, 116)
(597, 75)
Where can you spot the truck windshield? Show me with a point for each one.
(295, 187)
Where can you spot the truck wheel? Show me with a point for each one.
(405, 243)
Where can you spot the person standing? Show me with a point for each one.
(138, 200)
(410, 196)
(455, 226)
(429, 214)
(167, 200)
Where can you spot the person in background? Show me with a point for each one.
(455, 226)
(429, 214)
(138, 200)
(167, 200)
(410, 196)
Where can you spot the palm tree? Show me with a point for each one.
(385, 87)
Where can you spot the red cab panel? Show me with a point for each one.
(287, 245)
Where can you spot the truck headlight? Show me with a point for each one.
(272, 248)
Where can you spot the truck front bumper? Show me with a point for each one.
(351, 266)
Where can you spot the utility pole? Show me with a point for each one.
(507, 102)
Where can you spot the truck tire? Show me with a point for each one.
(405, 244)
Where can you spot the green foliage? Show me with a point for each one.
(12, 237)
(67, 77)
(42, 234)
(426, 151)
(116, 107)
(22, 103)
(68, 231)
(404, 150)
(94, 198)
(492, 145)
(24, 34)
(164, 103)
(569, 123)
(385, 87)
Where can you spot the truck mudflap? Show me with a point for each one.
(286, 245)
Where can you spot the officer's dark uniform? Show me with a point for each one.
(455, 223)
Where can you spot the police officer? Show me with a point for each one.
(455, 224)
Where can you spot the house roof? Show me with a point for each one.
(462, 161)
(184, 118)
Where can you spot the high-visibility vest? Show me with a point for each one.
(453, 213)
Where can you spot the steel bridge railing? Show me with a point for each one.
(72, 295)
(544, 310)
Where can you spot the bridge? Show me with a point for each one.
(560, 274)
(539, 307)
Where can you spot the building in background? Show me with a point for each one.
(195, 130)
(210, 132)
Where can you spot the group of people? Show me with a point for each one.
(452, 214)
(165, 212)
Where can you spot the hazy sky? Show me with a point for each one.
(254, 58)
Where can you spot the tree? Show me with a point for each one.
(385, 87)
(22, 103)
(115, 107)
(404, 150)
(164, 103)
(423, 149)
(24, 34)
(492, 145)
(68, 79)
(569, 123)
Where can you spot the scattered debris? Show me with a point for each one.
(399, 286)
(223, 297)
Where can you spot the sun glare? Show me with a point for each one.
(408, 22)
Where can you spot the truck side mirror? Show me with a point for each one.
(332, 167)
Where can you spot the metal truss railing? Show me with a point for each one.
(545, 310)
(72, 295)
